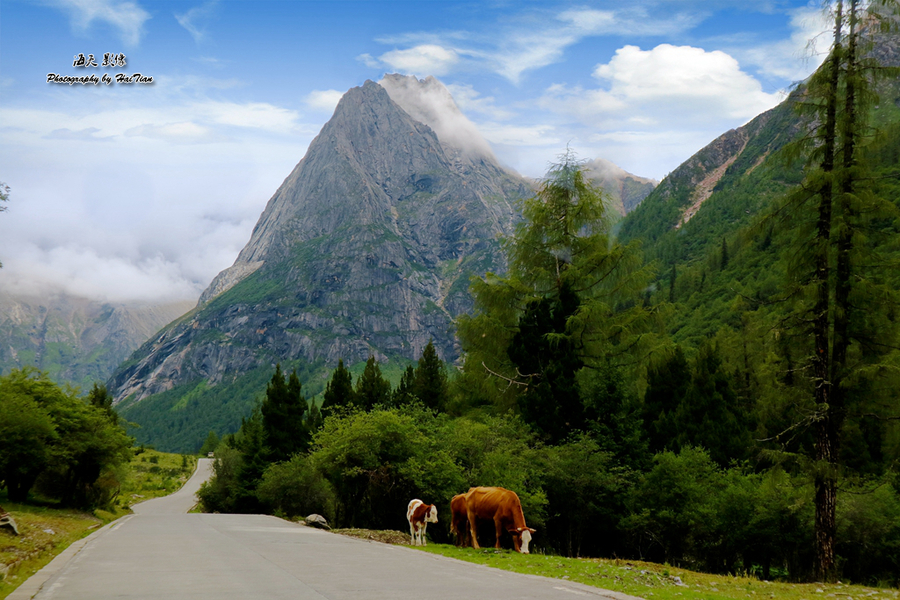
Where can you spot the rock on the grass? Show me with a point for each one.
(318, 521)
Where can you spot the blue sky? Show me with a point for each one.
(144, 192)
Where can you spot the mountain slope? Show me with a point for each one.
(626, 191)
(710, 223)
(75, 340)
(365, 249)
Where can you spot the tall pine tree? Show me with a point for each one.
(283, 417)
(372, 388)
(339, 390)
(843, 317)
(430, 380)
(570, 298)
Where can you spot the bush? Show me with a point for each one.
(296, 488)
(377, 461)
(869, 534)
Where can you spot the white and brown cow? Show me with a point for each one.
(501, 506)
(419, 516)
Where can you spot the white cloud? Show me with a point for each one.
(254, 115)
(521, 135)
(86, 134)
(147, 215)
(368, 60)
(424, 59)
(176, 133)
(668, 86)
(87, 273)
(589, 20)
(191, 19)
(533, 41)
(470, 100)
(127, 17)
(793, 59)
(324, 100)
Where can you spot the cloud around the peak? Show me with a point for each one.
(428, 101)
(421, 60)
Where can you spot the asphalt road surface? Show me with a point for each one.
(162, 553)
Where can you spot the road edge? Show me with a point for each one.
(31, 586)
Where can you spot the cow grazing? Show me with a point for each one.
(459, 522)
(419, 516)
(504, 509)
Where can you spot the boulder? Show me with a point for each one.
(317, 521)
(7, 522)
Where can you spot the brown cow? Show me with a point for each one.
(504, 509)
(459, 521)
(419, 516)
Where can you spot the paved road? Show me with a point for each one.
(159, 554)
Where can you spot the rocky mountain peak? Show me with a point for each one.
(365, 249)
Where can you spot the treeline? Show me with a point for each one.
(54, 442)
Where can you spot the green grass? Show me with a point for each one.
(154, 474)
(45, 531)
(657, 582)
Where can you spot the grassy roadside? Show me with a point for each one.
(659, 582)
(45, 531)
(646, 580)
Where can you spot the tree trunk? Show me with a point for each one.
(825, 431)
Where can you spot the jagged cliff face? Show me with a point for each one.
(75, 340)
(365, 249)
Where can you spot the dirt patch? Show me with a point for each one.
(385, 537)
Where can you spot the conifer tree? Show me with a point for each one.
(251, 442)
(836, 274)
(403, 394)
(339, 391)
(570, 298)
(371, 387)
(314, 417)
(283, 416)
(668, 380)
(102, 399)
(430, 380)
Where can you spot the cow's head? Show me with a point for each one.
(521, 538)
(431, 514)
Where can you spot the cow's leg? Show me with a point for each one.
(499, 528)
(412, 533)
(422, 533)
(473, 530)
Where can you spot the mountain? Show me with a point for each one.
(365, 249)
(724, 187)
(625, 190)
(703, 224)
(76, 340)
